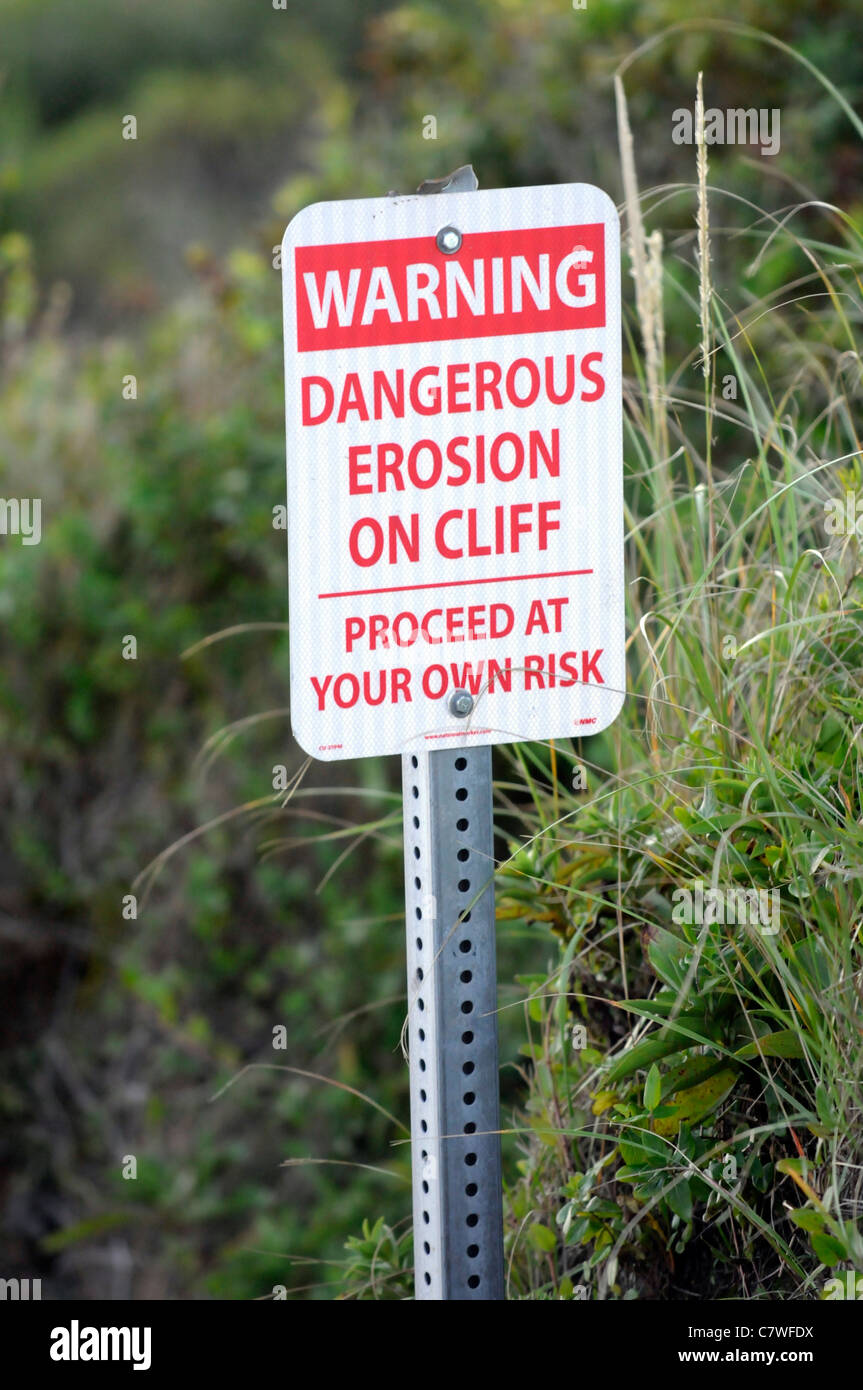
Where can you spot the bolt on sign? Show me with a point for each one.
(454, 453)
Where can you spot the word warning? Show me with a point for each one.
(454, 453)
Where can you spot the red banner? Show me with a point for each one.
(374, 293)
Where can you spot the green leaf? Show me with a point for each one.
(535, 1010)
(828, 1249)
(652, 1088)
(679, 1198)
(543, 1238)
(602, 1101)
(694, 1103)
(603, 1209)
(691, 1073)
(785, 1043)
(807, 1220)
(640, 1147)
(662, 1044)
(665, 953)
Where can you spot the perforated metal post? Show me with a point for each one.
(452, 998)
(452, 994)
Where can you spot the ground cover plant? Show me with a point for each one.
(694, 1049)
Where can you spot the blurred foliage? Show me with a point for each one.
(158, 523)
(238, 104)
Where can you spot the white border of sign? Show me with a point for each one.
(584, 555)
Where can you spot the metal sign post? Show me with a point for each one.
(452, 1001)
(452, 996)
(453, 420)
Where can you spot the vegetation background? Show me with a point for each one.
(153, 1037)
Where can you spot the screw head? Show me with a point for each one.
(460, 703)
(448, 240)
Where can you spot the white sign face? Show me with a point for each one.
(455, 478)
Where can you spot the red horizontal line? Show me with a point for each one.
(453, 584)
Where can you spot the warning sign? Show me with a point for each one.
(455, 508)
